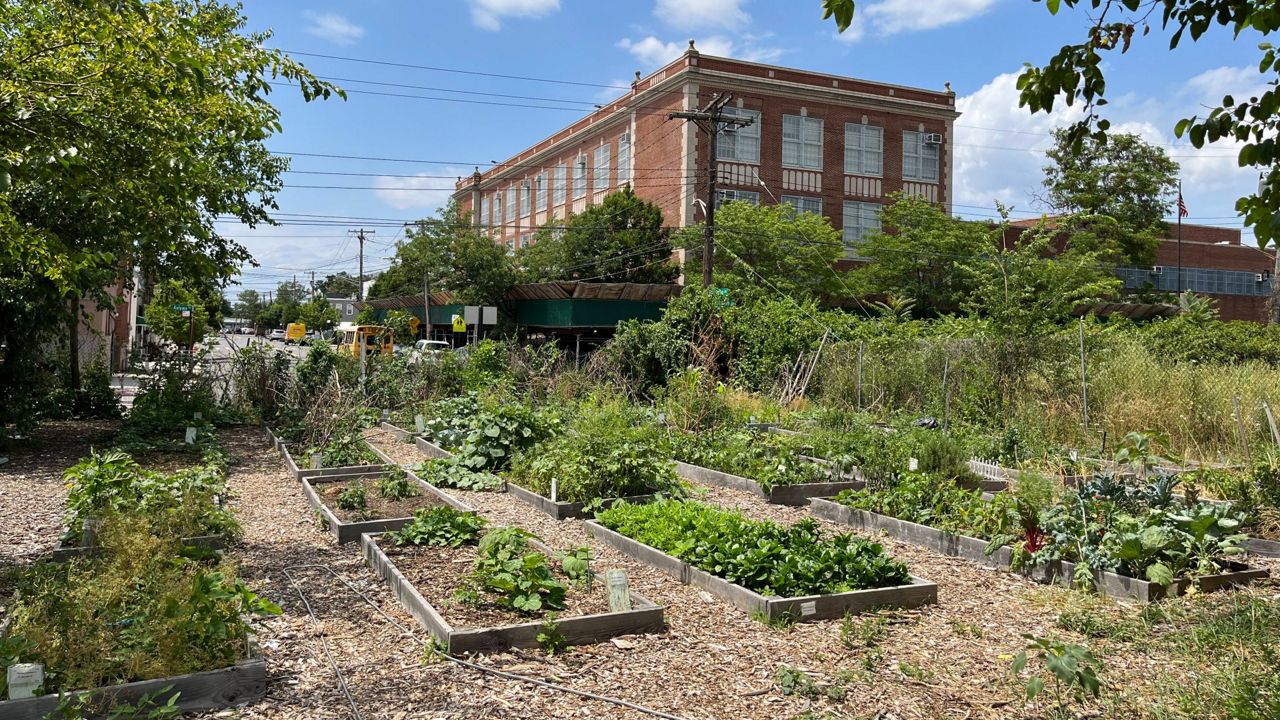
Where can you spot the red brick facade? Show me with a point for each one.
(668, 158)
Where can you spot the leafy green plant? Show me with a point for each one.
(763, 556)
(576, 564)
(514, 576)
(864, 633)
(758, 457)
(440, 526)
(353, 498)
(1072, 669)
(394, 484)
(449, 473)
(549, 637)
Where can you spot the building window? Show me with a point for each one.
(728, 196)
(351, 309)
(804, 204)
(624, 159)
(484, 210)
(540, 183)
(919, 158)
(863, 149)
(511, 203)
(561, 181)
(497, 209)
(802, 142)
(600, 176)
(860, 220)
(740, 144)
(526, 198)
(580, 177)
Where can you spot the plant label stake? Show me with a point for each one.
(913, 464)
(619, 591)
(24, 680)
(191, 436)
(386, 415)
(420, 423)
(554, 488)
(317, 459)
(662, 418)
(198, 415)
(89, 531)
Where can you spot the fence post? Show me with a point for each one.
(946, 397)
(861, 344)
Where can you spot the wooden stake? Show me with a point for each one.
(1271, 420)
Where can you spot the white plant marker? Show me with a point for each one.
(24, 680)
(198, 415)
(554, 489)
(191, 436)
(420, 423)
(317, 459)
(619, 591)
(89, 531)
(913, 464)
(1075, 456)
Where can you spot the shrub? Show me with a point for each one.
(394, 484)
(353, 498)
(440, 526)
(513, 576)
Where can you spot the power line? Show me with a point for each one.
(458, 71)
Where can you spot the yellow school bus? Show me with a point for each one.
(375, 339)
(294, 332)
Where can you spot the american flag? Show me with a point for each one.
(1182, 206)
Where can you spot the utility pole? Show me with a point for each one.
(711, 120)
(313, 284)
(361, 233)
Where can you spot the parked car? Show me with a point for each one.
(246, 331)
(277, 334)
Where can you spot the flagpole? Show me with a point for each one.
(1180, 206)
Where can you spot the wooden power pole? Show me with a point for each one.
(711, 119)
(360, 234)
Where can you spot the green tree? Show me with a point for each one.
(343, 284)
(1120, 176)
(452, 255)
(169, 323)
(622, 239)
(917, 254)
(318, 314)
(248, 304)
(789, 252)
(132, 126)
(1075, 74)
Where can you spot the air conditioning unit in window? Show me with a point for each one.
(933, 139)
(1157, 270)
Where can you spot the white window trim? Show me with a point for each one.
(862, 227)
(913, 144)
(731, 195)
(510, 204)
(580, 180)
(540, 183)
(600, 168)
(861, 150)
(526, 198)
(731, 151)
(624, 159)
(805, 123)
(560, 184)
(797, 201)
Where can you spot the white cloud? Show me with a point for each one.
(890, 17)
(692, 14)
(488, 14)
(654, 52)
(332, 27)
(999, 147)
(419, 193)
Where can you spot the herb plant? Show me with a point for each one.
(394, 484)
(353, 498)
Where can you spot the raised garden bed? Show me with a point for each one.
(797, 495)
(584, 629)
(62, 553)
(300, 472)
(564, 510)
(804, 608)
(1059, 572)
(346, 528)
(399, 433)
(240, 684)
(430, 449)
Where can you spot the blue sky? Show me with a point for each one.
(976, 45)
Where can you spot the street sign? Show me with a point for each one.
(459, 325)
(183, 308)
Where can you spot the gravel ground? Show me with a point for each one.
(946, 661)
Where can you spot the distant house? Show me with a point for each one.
(346, 307)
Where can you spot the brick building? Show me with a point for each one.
(825, 143)
(1214, 263)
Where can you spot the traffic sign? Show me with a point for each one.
(459, 325)
(183, 308)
